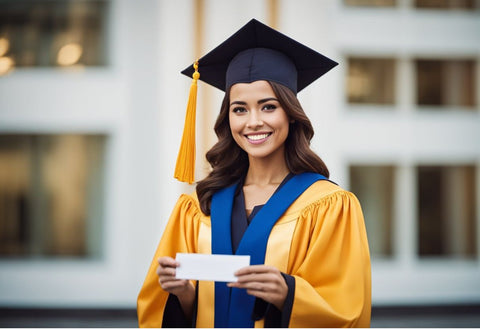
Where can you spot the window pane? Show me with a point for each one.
(51, 33)
(446, 4)
(446, 211)
(373, 185)
(372, 3)
(371, 80)
(446, 82)
(51, 195)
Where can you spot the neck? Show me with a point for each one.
(266, 172)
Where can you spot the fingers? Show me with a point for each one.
(258, 278)
(258, 283)
(166, 266)
(257, 269)
(265, 282)
(272, 292)
(258, 273)
(167, 262)
(173, 285)
(166, 272)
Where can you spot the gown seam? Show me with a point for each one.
(325, 199)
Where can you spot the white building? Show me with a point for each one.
(87, 151)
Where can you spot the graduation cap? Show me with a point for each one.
(255, 52)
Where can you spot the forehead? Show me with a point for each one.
(253, 90)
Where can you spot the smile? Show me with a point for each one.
(258, 138)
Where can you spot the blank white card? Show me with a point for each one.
(205, 267)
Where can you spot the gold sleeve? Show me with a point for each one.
(331, 265)
(180, 235)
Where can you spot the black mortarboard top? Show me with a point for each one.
(255, 52)
(258, 52)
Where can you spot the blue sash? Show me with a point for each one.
(234, 307)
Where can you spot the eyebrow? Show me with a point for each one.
(261, 101)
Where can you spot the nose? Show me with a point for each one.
(254, 120)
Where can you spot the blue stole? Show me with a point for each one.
(234, 307)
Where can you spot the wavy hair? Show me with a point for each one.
(229, 162)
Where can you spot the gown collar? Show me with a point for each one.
(240, 219)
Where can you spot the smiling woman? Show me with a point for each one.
(267, 196)
(258, 122)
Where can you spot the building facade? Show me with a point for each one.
(91, 115)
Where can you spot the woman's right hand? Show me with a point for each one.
(183, 289)
(166, 277)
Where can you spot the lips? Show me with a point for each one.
(257, 138)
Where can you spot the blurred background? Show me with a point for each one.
(92, 106)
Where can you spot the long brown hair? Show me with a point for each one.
(229, 162)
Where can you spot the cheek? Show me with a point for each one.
(235, 125)
(282, 124)
(234, 129)
(286, 132)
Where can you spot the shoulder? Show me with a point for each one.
(321, 189)
(189, 200)
(325, 196)
(188, 205)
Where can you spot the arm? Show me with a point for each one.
(180, 235)
(331, 265)
(183, 289)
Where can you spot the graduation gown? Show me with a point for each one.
(320, 242)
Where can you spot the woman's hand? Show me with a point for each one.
(262, 281)
(183, 289)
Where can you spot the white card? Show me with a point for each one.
(205, 267)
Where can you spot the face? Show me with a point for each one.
(258, 123)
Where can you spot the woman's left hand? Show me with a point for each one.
(262, 281)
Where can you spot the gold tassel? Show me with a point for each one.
(185, 167)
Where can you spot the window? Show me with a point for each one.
(371, 3)
(371, 80)
(373, 185)
(446, 4)
(446, 211)
(446, 83)
(51, 33)
(51, 195)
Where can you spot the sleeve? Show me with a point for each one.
(273, 317)
(180, 235)
(331, 265)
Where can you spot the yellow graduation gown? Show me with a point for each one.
(320, 240)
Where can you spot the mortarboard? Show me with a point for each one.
(255, 52)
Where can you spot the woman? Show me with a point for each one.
(267, 196)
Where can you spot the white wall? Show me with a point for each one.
(133, 101)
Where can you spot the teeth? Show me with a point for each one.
(257, 137)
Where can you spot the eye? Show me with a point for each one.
(269, 107)
(239, 109)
